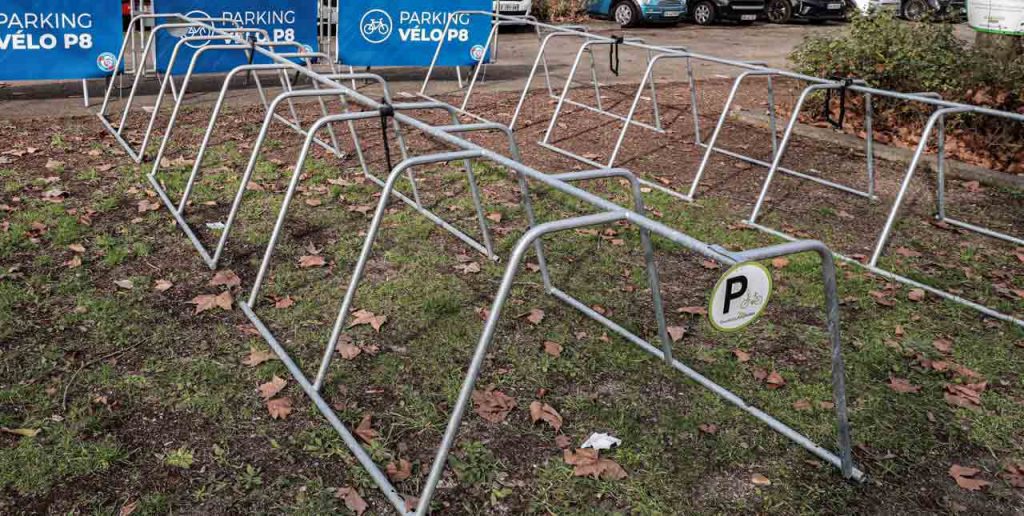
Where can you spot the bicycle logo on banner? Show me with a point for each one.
(376, 26)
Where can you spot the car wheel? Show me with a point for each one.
(625, 14)
(915, 10)
(704, 13)
(779, 11)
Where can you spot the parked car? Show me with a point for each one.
(630, 13)
(918, 10)
(707, 12)
(815, 11)
(513, 7)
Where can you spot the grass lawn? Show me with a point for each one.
(116, 396)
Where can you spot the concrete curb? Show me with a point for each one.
(954, 169)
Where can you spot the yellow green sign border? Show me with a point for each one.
(718, 285)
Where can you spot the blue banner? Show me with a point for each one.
(407, 32)
(58, 39)
(284, 20)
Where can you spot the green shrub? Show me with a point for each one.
(559, 10)
(913, 57)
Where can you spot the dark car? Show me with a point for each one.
(815, 11)
(707, 12)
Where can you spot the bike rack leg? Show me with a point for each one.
(654, 283)
(869, 141)
(894, 211)
(710, 147)
(693, 101)
(364, 255)
(541, 58)
(486, 339)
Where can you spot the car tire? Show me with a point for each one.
(779, 11)
(704, 13)
(916, 10)
(626, 14)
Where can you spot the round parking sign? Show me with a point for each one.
(740, 296)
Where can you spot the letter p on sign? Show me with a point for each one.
(740, 296)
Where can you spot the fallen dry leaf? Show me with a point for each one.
(902, 385)
(162, 285)
(907, 253)
(494, 217)
(205, 302)
(284, 302)
(353, 501)
(741, 355)
(775, 380)
(943, 345)
(125, 284)
(311, 261)
(400, 471)
(226, 277)
(493, 405)
(676, 332)
(966, 396)
(552, 348)
(562, 441)
(587, 463)
(313, 201)
(468, 268)
(543, 411)
(361, 317)
(693, 310)
(780, 262)
(1013, 474)
(74, 262)
(348, 350)
(257, 357)
(147, 205)
(279, 408)
(916, 294)
(270, 389)
(964, 477)
(802, 404)
(77, 248)
(760, 480)
(708, 428)
(535, 316)
(365, 430)
(24, 432)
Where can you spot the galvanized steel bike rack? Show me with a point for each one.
(607, 212)
(553, 31)
(937, 119)
(759, 69)
(139, 71)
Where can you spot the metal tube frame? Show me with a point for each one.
(102, 113)
(608, 212)
(927, 98)
(533, 236)
(935, 120)
(615, 212)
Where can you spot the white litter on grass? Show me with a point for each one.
(215, 226)
(601, 441)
